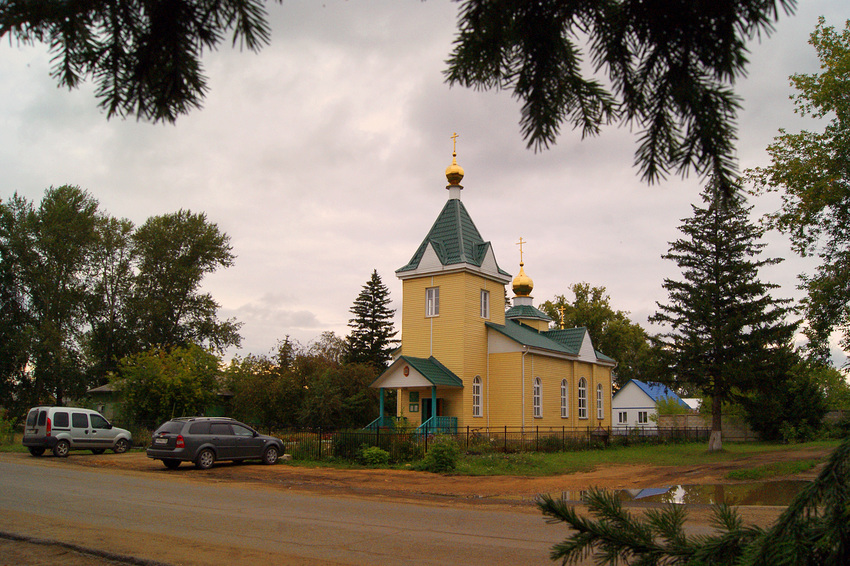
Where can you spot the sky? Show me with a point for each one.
(323, 158)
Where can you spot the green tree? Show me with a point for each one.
(50, 249)
(812, 172)
(161, 384)
(728, 335)
(813, 530)
(669, 66)
(175, 252)
(372, 336)
(144, 57)
(612, 332)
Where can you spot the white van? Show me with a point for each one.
(63, 429)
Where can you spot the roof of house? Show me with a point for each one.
(430, 368)
(454, 238)
(656, 391)
(565, 341)
(526, 311)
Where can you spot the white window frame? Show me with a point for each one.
(476, 397)
(642, 417)
(537, 398)
(485, 303)
(432, 301)
(600, 402)
(582, 398)
(623, 417)
(565, 399)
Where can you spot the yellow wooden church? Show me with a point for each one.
(468, 361)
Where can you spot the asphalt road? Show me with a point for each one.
(180, 521)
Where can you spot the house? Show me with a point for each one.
(634, 404)
(466, 360)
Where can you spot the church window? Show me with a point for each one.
(476, 397)
(485, 304)
(565, 399)
(582, 398)
(432, 301)
(537, 395)
(600, 406)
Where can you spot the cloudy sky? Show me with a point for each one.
(323, 158)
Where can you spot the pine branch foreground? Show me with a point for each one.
(813, 530)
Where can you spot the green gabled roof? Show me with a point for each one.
(571, 338)
(527, 311)
(455, 239)
(528, 336)
(433, 371)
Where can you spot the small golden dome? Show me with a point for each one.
(454, 172)
(522, 283)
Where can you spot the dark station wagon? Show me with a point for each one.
(204, 440)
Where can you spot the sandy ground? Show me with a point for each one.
(516, 493)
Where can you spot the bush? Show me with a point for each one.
(373, 456)
(442, 456)
(7, 432)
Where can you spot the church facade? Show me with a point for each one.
(467, 360)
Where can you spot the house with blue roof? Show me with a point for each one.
(634, 404)
(466, 360)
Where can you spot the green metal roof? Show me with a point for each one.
(566, 341)
(455, 239)
(571, 338)
(527, 311)
(433, 371)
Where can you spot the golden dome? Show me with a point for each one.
(522, 283)
(454, 172)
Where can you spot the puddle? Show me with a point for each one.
(770, 493)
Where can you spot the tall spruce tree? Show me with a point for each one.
(372, 335)
(729, 336)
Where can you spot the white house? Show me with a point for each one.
(634, 404)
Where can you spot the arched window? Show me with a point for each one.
(565, 399)
(476, 397)
(582, 398)
(600, 413)
(537, 398)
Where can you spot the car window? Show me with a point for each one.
(60, 419)
(220, 428)
(97, 421)
(32, 416)
(79, 420)
(42, 418)
(240, 430)
(199, 428)
(171, 427)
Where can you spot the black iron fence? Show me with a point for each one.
(317, 444)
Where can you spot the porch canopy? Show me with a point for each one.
(407, 371)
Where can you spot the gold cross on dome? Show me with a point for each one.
(520, 243)
(562, 309)
(454, 143)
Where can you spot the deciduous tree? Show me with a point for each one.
(811, 170)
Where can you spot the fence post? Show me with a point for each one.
(467, 437)
(537, 438)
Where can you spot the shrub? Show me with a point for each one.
(442, 456)
(7, 431)
(373, 456)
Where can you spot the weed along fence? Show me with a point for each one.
(412, 445)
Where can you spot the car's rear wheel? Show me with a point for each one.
(61, 449)
(171, 464)
(98, 450)
(121, 446)
(270, 455)
(205, 459)
(36, 451)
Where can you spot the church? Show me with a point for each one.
(466, 360)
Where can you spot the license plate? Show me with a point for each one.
(161, 441)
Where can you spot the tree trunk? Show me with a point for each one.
(715, 442)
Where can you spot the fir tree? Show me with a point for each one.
(729, 336)
(372, 336)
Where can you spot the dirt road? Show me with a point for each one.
(509, 494)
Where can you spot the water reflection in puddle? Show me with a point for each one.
(771, 493)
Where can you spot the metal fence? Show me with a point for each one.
(316, 444)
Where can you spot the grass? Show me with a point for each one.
(772, 470)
